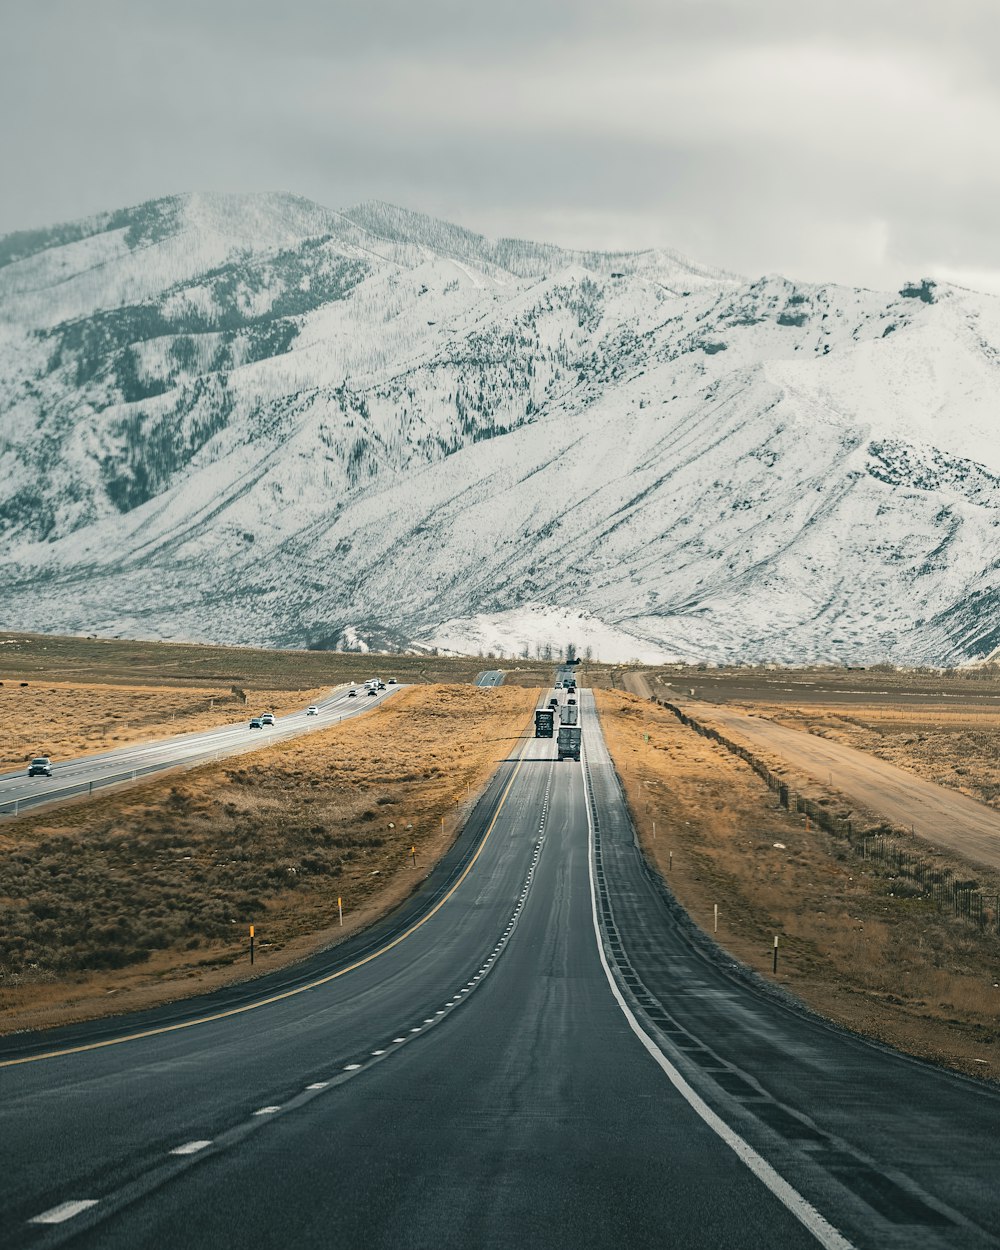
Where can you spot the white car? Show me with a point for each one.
(312, 711)
(267, 718)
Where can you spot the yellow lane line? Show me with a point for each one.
(301, 989)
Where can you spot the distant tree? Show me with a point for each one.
(570, 652)
(588, 654)
(547, 651)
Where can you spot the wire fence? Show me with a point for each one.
(963, 897)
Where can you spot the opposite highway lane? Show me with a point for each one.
(18, 792)
(550, 1058)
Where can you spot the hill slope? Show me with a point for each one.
(253, 419)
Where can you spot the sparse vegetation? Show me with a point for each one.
(157, 885)
(63, 719)
(857, 944)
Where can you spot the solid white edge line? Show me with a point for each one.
(64, 1211)
(787, 1195)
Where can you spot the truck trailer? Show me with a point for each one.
(568, 742)
(568, 714)
(544, 722)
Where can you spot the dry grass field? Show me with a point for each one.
(52, 658)
(857, 945)
(956, 747)
(145, 896)
(64, 719)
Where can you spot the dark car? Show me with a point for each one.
(40, 766)
(570, 702)
(352, 694)
(372, 691)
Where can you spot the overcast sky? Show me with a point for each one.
(853, 141)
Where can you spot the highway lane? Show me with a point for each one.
(895, 1152)
(529, 1112)
(493, 677)
(102, 1117)
(18, 792)
(568, 1098)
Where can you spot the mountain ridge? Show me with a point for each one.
(372, 424)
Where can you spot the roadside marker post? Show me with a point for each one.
(670, 865)
(413, 857)
(715, 907)
(340, 910)
(251, 944)
(774, 966)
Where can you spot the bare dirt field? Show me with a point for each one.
(954, 747)
(143, 897)
(857, 943)
(64, 720)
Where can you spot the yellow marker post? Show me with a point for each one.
(413, 856)
(340, 910)
(251, 943)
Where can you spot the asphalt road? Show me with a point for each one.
(543, 1054)
(493, 677)
(19, 792)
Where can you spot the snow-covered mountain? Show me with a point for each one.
(254, 419)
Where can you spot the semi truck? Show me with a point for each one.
(568, 742)
(544, 722)
(568, 714)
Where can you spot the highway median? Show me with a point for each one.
(139, 898)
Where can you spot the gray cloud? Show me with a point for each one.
(849, 142)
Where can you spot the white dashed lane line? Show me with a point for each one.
(67, 1210)
(64, 1211)
(190, 1147)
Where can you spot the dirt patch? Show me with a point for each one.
(858, 943)
(147, 896)
(954, 747)
(65, 720)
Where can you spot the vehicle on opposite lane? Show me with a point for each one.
(88, 773)
(40, 766)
